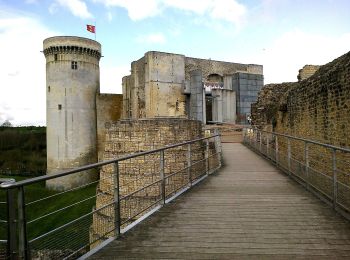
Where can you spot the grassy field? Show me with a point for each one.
(69, 237)
(23, 150)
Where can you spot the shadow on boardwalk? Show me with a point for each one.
(247, 210)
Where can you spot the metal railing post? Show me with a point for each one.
(22, 227)
(116, 201)
(218, 146)
(207, 156)
(162, 175)
(12, 245)
(276, 144)
(188, 155)
(267, 146)
(260, 141)
(335, 181)
(289, 156)
(307, 164)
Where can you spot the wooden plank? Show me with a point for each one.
(248, 210)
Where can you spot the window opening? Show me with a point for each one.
(74, 65)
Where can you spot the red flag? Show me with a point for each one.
(90, 28)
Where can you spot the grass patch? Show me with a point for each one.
(23, 150)
(71, 237)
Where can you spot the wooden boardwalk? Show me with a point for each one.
(248, 210)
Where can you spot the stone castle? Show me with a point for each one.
(162, 86)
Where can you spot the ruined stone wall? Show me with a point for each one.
(138, 88)
(130, 136)
(134, 91)
(109, 109)
(126, 86)
(164, 80)
(222, 68)
(264, 111)
(317, 108)
(307, 71)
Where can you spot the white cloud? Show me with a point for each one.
(31, 2)
(22, 69)
(226, 10)
(137, 10)
(296, 48)
(152, 38)
(76, 7)
(53, 8)
(292, 50)
(111, 77)
(109, 16)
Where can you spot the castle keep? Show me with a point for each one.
(161, 85)
(166, 84)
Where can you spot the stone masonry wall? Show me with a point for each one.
(218, 67)
(131, 136)
(108, 108)
(317, 108)
(307, 71)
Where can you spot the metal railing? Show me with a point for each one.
(322, 168)
(46, 224)
(3, 219)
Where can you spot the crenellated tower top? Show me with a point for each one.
(72, 45)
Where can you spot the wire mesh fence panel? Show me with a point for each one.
(198, 160)
(58, 223)
(214, 156)
(175, 169)
(272, 154)
(298, 169)
(138, 203)
(3, 224)
(71, 239)
(323, 168)
(283, 160)
(67, 224)
(343, 195)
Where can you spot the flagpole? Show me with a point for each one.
(95, 30)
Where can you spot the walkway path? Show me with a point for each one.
(248, 210)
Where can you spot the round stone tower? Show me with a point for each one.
(72, 82)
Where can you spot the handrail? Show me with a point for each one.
(343, 149)
(8, 185)
(321, 179)
(120, 208)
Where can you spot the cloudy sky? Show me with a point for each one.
(282, 35)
